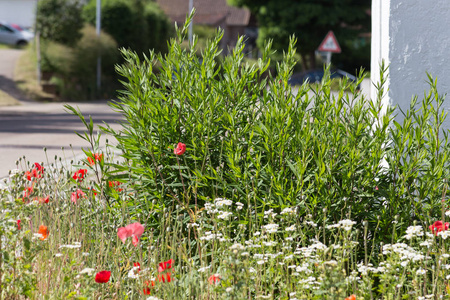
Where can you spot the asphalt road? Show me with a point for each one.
(27, 128)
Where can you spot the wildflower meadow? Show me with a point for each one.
(225, 182)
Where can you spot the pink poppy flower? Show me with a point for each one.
(134, 231)
(18, 224)
(77, 195)
(180, 149)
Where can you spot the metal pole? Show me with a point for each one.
(38, 56)
(38, 46)
(99, 59)
(191, 6)
(328, 58)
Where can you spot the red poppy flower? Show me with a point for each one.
(39, 167)
(214, 279)
(35, 172)
(179, 149)
(102, 277)
(138, 265)
(134, 230)
(18, 224)
(115, 184)
(27, 192)
(43, 200)
(165, 277)
(77, 195)
(438, 226)
(80, 174)
(43, 230)
(93, 191)
(97, 157)
(149, 284)
(351, 297)
(165, 265)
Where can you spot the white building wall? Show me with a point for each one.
(20, 12)
(413, 36)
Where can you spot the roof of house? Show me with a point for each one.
(208, 12)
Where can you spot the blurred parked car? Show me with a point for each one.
(314, 76)
(13, 34)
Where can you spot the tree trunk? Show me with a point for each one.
(312, 60)
(304, 62)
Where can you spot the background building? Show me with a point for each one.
(20, 12)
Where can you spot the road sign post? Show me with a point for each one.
(329, 45)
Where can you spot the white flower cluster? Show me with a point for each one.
(269, 214)
(344, 224)
(204, 269)
(209, 236)
(444, 234)
(311, 223)
(310, 283)
(134, 273)
(405, 252)
(413, 231)
(87, 271)
(238, 247)
(262, 258)
(192, 225)
(271, 228)
(221, 202)
(75, 245)
(291, 228)
(224, 215)
(288, 211)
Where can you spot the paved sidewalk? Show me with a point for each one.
(8, 59)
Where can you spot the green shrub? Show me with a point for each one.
(59, 21)
(133, 24)
(258, 141)
(76, 67)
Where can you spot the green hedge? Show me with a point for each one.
(76, 67)
(59, 21)
(134, 24)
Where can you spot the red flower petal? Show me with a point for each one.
(213, 279)
(102, 277)
(438, 226)
(134, 240)
(180, 149)
(165, 265)
(39, 167)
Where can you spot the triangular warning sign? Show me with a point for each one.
(330, 44)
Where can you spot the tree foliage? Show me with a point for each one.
(309, 20)
(59, 21)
